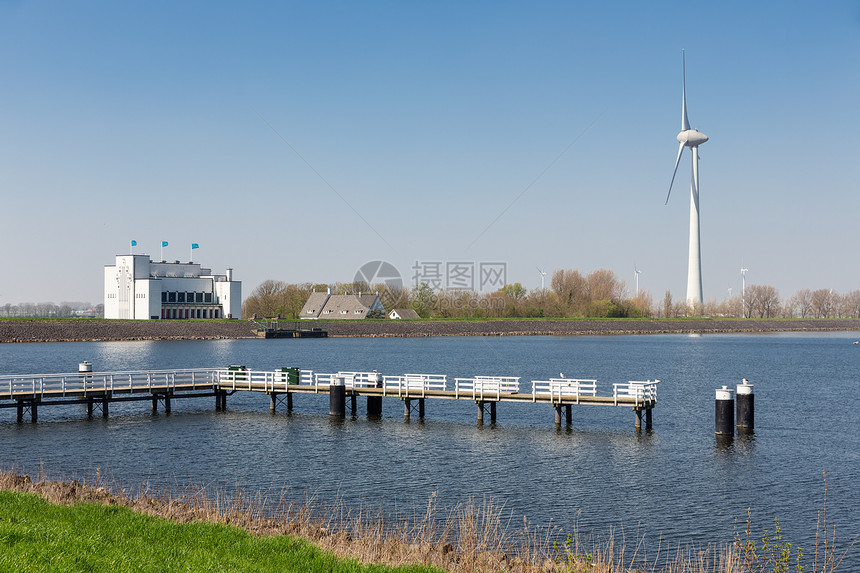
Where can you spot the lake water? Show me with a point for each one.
(677, 482)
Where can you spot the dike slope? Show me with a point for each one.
(89, 330)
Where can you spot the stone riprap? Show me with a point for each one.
(71, 330)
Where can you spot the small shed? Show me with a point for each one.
(404, 313)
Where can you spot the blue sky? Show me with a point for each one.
(150, 121)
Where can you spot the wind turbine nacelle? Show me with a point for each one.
(692, 137)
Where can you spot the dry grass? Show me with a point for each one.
(470, 536)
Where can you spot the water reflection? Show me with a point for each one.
(598, 464)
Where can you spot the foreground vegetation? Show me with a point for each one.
(62, 526)
(39, 536)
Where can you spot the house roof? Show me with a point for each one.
(314, 306)
(406, 313)
(340, 305)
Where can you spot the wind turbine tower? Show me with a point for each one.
(691, 138)
(744, 272)
(542, 276)
(636, 271)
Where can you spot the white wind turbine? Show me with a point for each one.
(744, 272)
(542, 276)
(691, 138)
(636, 271)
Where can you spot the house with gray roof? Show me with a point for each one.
(403, 313)
(341, 306)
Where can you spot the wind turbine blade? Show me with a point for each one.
(685, 123)
(677, 161)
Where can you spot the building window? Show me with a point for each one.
(344, 311)
(180, 297)
(198, 297)
(171, 297)
(207, 297)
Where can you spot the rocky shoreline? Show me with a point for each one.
(98, 330)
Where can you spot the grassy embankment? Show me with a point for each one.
(38, 536)
(68, 526)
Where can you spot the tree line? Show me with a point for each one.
(571, 294)
(51, 310)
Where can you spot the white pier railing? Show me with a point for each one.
(564, 389)
(84, 383)
(413, 385)
(640, 391)
(481, 387)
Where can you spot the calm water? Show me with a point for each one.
(677, 481)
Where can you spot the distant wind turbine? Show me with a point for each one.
(691, 138)
(636, 271)
(542, 275)
(744, 272)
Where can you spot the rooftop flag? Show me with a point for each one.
(163, 243)
(195, 246)
(133, 243)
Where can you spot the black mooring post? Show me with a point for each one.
(289, 401)
(352, 402)
(648, 418)
(90, 407)
(20, 412)
(34, 414)
(421, 408)
(337, 400)
(745, 405)
(724, 412)
(637, 418)
(374, 406)
(154, 405)
(104, 407)
(558, 415)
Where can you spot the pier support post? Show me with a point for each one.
(154, 405)
(421, 408)
(637, 418)
(104, 407)
(20, 411)
(374, 406)
(352, 402)
(648, 418)
(90, 407)
(273, 401)
(337, 400)
(481, 406)
(167, 403)
(745, 406)
(289, 401)
(220, 400)
(407, 408)
(34, 412)
(724, 413)
(568, 413)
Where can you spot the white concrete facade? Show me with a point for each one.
(139, 288)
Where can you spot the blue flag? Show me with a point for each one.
(133, 243)
(195, 246)
(163, 243)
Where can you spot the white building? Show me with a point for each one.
(136, 287)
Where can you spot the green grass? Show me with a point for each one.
(38, 536)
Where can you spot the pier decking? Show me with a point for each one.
(27, 393)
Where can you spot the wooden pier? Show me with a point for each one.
(28, 393)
